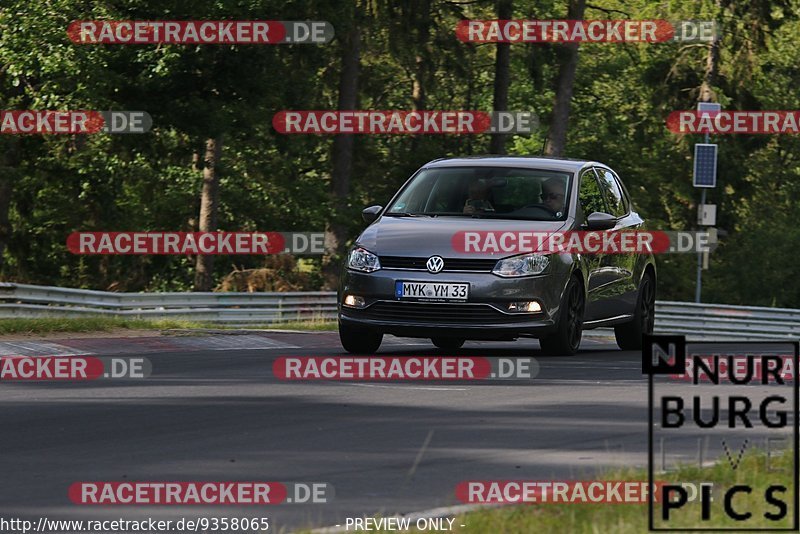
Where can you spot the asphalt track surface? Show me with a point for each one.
(217, 413)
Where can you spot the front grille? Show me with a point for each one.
(450, 264)
(418, 312)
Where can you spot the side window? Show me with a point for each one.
(612, 193)
(626, 201)
(590, 197)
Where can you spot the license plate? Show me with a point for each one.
(431, 291)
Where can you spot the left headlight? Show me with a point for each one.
(361, 259)
(525, 265)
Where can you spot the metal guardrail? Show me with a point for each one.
(696, 321)
(236, 309)
(722, 321)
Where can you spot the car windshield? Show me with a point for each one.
(490, 192)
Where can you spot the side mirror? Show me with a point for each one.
(600, 221)
(371, 213)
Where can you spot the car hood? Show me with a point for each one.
(427, 236)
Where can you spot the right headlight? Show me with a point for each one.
(524, 265)
(361, 259)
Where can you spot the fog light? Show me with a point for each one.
(354, 301)
(525, 307)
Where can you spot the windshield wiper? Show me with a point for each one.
(433, 214)
(409, 214)
(447, 214)
(508, 216)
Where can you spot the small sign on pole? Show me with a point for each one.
(707, 214)
(710, 107)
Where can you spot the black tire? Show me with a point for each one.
(629, 335)
(358, 341)
(566, 339)
(448, 343)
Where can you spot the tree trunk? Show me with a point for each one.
(502, 79)
(712, 63)
(342, 159)
(567, 65)
(5, 204)
(8, 171)
(209, 206)
(418, 96)
(420, 19)
(422, 58)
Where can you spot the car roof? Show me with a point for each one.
(532, 162)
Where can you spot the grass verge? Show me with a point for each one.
(633, 518)
(45, 325)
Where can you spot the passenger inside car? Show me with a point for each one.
(478, 200)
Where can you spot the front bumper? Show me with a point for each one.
(483, 316)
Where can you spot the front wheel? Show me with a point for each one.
(567, 337)
(629, 335)
(358, 341)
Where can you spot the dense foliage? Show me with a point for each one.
(409, 57)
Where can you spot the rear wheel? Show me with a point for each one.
(629, 335)
(567, 337)
(359, 341)
(448, 343)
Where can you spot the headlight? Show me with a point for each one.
(363, 260)
(524, 265)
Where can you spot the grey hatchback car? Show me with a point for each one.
(406, 274)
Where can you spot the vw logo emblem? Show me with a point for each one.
(435, 264)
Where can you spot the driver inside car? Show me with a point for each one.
(553, 195)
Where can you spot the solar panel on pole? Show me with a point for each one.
(705, 165)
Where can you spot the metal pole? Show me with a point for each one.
(699, 284)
